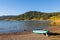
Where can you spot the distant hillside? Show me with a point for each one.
(32, 15)
(5, 17)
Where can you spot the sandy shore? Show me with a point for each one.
(28, 35)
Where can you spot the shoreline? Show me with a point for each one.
(29, 35)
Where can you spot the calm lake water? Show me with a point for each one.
(20, 26)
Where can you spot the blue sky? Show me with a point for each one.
(16, 7)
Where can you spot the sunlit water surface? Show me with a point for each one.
(20, 26)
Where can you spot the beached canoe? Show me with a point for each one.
(40, 31)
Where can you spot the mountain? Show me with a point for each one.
(31, 15)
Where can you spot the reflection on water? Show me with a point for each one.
(30, 25)
(19, 26)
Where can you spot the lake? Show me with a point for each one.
(20, 26)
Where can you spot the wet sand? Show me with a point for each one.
(29, 35)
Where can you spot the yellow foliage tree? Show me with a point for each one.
(55, 20)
